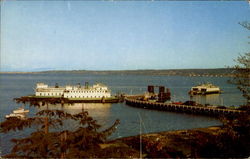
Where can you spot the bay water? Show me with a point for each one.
(133, 121)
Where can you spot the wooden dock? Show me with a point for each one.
(201, 110)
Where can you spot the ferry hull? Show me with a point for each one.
(203, 93)
(34, 98)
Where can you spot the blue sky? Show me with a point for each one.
(119, 35)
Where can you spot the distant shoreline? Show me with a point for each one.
(216, 72)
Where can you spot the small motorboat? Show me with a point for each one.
(12, 115)
(18, 113)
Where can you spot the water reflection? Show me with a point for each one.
(99, 111)
(17, 85)
(212, 99)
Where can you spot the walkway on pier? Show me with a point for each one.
(202, 110)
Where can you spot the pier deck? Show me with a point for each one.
(202, 110)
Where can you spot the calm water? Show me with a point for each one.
(17, 85)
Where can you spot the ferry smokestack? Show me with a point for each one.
(151, 89)
(161, 89)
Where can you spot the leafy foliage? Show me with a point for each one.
(14, 123)
(242, 71)
(234, 137)
(242, 76)
(82, 142)
(245, 24)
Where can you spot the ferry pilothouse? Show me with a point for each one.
(97, 91)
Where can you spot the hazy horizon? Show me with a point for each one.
(112, 70)
(121, 35)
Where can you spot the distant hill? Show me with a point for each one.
(170, 72)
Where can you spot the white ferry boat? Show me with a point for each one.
(97, 91)
(203, 89)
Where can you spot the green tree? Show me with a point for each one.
(82, 142)
(234, 137)
(242, 72)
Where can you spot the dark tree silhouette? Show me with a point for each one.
(83, 142)
(236, 130)
(242, 71)
(242, 76)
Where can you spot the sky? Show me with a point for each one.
(121, 35)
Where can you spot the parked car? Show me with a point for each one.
(190, 102)
(221, 107)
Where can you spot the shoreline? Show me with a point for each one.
(187, 143)
(213, 72)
